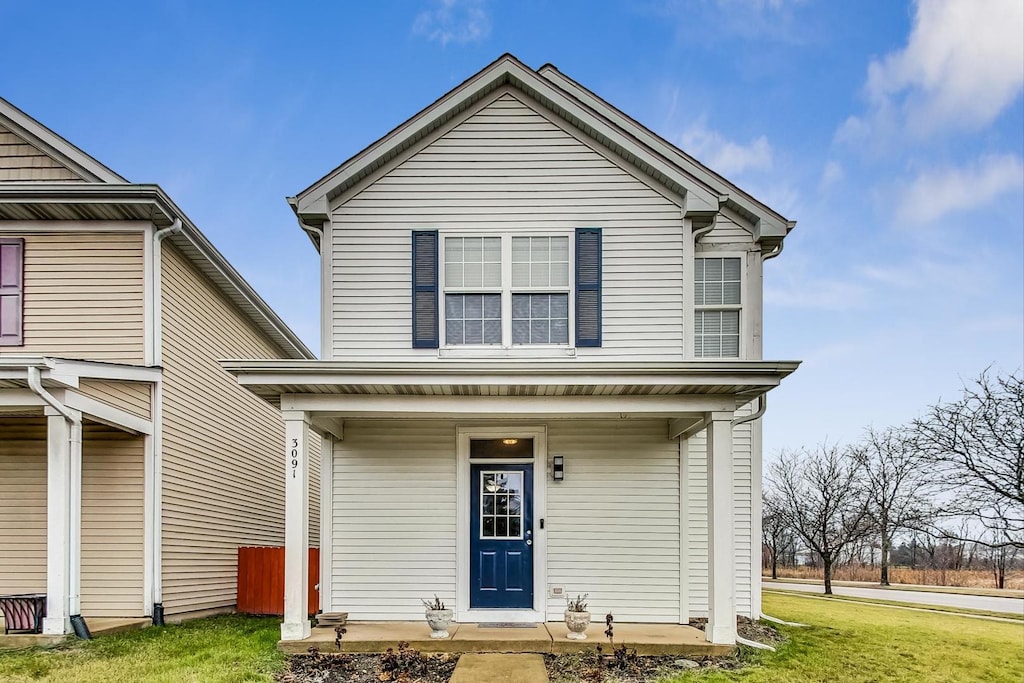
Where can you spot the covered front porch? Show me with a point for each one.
(633, 489)
(75, 467)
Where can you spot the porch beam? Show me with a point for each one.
(333, 426)
(296, 526)
(721, 627)
(683, 426)
(18, 398)
(497, 406)
(108, 414)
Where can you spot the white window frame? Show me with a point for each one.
(742, 347)
(506, 347)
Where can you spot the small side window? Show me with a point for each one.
(12, 291)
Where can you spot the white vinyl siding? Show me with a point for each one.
(697, 515)
(507, 168)
(613, 523)
(394, 518)
(83, 296)
(223, 448)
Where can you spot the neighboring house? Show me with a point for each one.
(541, 366)
(131, 465)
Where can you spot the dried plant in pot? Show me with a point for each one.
(438, 617)
(577, 618)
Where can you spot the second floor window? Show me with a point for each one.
(506, 290)
(717, 297)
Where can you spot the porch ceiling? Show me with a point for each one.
(742, 379)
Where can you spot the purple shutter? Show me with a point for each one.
(12, 291)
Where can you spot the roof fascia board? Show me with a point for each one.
(56, 146)
(774, 223)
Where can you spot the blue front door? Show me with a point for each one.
(501, 536)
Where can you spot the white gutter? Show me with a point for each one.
(156, 490)
(74, 504)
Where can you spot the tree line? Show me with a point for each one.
(951, 481)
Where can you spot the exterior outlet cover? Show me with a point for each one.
(557, 592)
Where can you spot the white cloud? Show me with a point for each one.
(935, 193)
(960, 68)
(725, 156)
(832, 173)
(454, 21)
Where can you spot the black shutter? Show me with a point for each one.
(588, 286)
(424, 289)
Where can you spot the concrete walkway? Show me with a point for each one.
(475, 668)
(978, 602)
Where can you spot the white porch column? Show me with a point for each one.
(721, 628)
(61, 522)
(296, 526)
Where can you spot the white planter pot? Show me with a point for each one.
(577, 623)
(438, 620)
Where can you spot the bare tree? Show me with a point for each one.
(977, 447)
(776, 532)
(822, 497)
(896, 481)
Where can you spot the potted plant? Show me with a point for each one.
(577, 618)
(438, 617)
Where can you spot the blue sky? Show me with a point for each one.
(892, 132)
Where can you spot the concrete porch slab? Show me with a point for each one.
(648, 639)
(378, 636)
(99, 626)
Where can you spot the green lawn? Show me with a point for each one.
(846, 641)
(861, 643)
(216, 650)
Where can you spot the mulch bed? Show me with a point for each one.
(406, 665)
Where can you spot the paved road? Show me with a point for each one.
(980, 602)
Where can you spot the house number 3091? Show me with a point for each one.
(295, 458)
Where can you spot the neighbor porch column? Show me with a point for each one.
(62, 528)
(296, 526)
(721, 628)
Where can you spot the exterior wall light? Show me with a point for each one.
(558, 467)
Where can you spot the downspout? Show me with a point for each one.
(762, 405)
(75, 504)
(158, 424)
(773, 253)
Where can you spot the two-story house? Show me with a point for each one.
(132, 466)
(541, 371)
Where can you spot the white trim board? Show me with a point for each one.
(464, 614)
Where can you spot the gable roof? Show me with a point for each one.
(105, 195)
(703, 191)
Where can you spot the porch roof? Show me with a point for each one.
(271, 379)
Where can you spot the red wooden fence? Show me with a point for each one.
(261, 580)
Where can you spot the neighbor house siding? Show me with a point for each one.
(112, 515)
(393, 518)
(83, 296)
(22, 505)
(132, 397)
(697, 512)
(21, 162)
(113, 494)
(223, 448)
(507, 167)
(613, 523)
